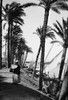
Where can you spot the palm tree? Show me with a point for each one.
(49, 34)
(13, 14)
(21, 47)
(17, 34)
(27, 50)
(62, 31)
(47, 5)
(0, 33)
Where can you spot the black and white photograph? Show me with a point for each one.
(33, 49)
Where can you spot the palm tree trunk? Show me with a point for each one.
(12, 56)
(19, 56)
(62, 62)
(36, 60)
(9, 45)
(25, 58)
(0, 34)
(46, 15)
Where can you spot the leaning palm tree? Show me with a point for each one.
(47, 5)
(0, 33)
(49, 34)
(13, 14)
(62, 31)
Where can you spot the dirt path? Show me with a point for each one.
(26, 90)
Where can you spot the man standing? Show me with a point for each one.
(16, 72)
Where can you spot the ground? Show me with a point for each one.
(27, 89)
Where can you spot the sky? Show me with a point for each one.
(34, 18)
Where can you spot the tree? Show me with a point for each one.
(17, 34)
(0, 33)
(27, 50)
(13, 14)
(49, 34)
(47, 5)
(62, 30)
(21, 47)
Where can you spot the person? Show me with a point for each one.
(16, 72)
(17, 69)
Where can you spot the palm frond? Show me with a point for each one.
(17, 30)
(56, 41)
(59, 31)
(50, 35)
(28, 5)
(55, 9)
(42, 4)
(17, 21)
(64, 23)
(52, 1)
(62, 5)
(60, 25)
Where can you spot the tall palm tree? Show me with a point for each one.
(21, 47)
(47, 5)
(62, 31)
(17, 34)
(27, 50)
(13, 13)
(0, 33)
(49, 34)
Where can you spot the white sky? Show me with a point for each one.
(34, 19)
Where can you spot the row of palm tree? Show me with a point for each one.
(13, 14)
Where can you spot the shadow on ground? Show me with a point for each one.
(9, 91)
